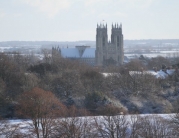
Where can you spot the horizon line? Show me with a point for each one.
(81, 40)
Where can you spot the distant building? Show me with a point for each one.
(106, 53)
(83, 54)
(157, 74)
(109, 52)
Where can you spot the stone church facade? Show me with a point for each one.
(109, 52)
(106, 52)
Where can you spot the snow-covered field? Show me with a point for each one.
(100, 125)
(151, 55)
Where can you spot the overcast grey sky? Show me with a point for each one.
(73, 20)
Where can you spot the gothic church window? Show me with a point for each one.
(103, 41)
(112, 39)
(117, 40)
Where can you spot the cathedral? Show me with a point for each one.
(106, 52)
(109, 52)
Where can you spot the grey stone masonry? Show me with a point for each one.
(109, 52)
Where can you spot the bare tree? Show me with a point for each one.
(47, 55)
(72, 126)
(158, 62)
(111, 126)
(149, 127)
(30, 81)
(174, 124)
(135, 65)
(42, 107)
(134, 125)
(8, 130)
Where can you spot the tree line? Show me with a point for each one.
(85, 87)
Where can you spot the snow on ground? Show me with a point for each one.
(25, 124)
(158, 74)
(110, 74)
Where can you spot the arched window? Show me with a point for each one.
(103, 41)
(117, 40)
(112, 39)
(104, 60)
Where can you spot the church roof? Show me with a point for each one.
(70, 53)
(89, 53)
(74, 53)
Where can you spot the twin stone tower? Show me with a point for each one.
(109, 52)
(106, 52)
